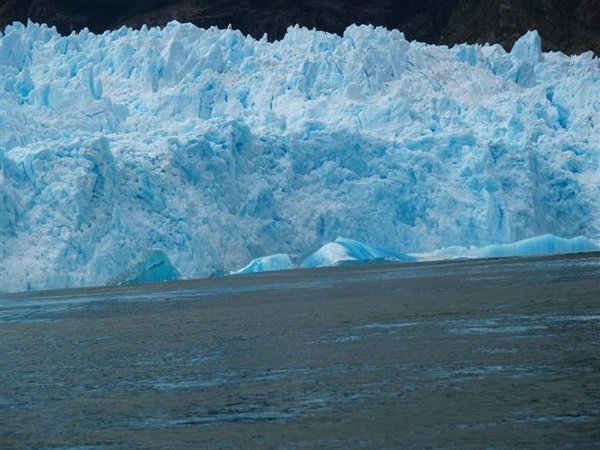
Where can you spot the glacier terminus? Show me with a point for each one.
(180, 152)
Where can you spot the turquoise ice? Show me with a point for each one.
(216, 148)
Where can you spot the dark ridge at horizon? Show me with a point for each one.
(570, 26)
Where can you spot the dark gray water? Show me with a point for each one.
(496, 353)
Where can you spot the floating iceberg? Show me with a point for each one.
(347, 251)
(153, 266)
(218, 148)
(280, 261)
(540, 245)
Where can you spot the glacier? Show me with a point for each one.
(216, 148)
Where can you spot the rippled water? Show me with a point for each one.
(458, 354)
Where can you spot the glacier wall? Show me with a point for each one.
(217, 148)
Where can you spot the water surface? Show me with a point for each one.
(463, 354)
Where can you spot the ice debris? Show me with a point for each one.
(218, 148)
(279, 261)
(347, 251)
(539, 245)
(153, 266)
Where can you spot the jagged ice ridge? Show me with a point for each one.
(215, 148)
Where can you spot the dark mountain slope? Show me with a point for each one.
(571, 26)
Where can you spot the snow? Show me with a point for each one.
(216, 148)
(539, 245)
(344, 251)
(267, 263)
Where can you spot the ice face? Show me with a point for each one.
(267, 263)
(217, 148)
(528, 48)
